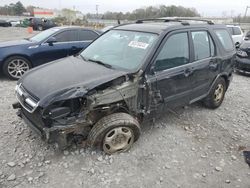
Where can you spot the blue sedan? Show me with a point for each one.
(17, 57)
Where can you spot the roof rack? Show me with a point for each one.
(176, 19)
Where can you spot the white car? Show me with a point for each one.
(236, 33)
(14, 23)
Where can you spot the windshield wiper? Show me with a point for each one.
(99, 62)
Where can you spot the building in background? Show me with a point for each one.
(43, 13)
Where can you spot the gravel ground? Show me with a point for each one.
(196, 147)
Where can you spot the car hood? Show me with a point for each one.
(66, 77)
(245, 45)
(14, 43)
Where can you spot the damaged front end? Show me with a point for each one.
(69, 115)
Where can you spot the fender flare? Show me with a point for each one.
(226, 76)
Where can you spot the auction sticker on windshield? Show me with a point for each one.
(136, 44)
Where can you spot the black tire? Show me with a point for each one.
(7, 62)
(40, 28)
(108, 123)
(210, 101)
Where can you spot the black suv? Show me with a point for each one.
(128, 73)
(41, 24)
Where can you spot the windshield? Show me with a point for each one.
(43, 35)
(120, 49)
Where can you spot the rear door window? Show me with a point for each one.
(237, 31)
(203, 45)
(67, 36)
(87, 35)
(230, 29)
(225, 39)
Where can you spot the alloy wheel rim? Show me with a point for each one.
(118, 140)
(218, 94)
(17, 68)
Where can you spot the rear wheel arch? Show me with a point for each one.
(226, 77)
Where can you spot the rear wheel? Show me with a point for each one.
(15, 67)
(114, 133)
(216, 95)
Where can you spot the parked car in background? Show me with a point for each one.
(237, 34)
(243, 57)
(247, 36)
(41, 24)
(4, 23)
(130, 73)
(17, 57)
(14, 23)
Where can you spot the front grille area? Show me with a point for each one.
(35, 118)
(27, 100)
(33, 97)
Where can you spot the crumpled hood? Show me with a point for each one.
(14, 43)
(65, 76)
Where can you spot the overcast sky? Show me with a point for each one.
(204, 7)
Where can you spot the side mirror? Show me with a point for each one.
(51, 40)
(152, 70)
(246, 38)
(237, 45)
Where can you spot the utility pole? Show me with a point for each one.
(97, 7)
(246, 11)
(60, 4)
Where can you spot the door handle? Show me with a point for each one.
(74, 48)
(188, 72)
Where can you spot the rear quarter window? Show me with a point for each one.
(225, 39)
(237, 31)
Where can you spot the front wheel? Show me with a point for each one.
(216, 95)
(114, 133)
(15, 67)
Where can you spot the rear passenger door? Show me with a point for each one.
(173, 76)
(70, 40)
(205, 63)
(84, 38)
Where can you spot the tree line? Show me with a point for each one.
(242, 19)
(18, 9)
(13, 9)
(153, 12)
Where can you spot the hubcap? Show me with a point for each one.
(17, 68)
(218, 94)
(118, 139)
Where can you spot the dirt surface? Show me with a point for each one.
(196, 147)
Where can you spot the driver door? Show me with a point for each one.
(172, 78)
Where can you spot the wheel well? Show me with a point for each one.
(225, 77)
(20, 55)
(96, 114)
